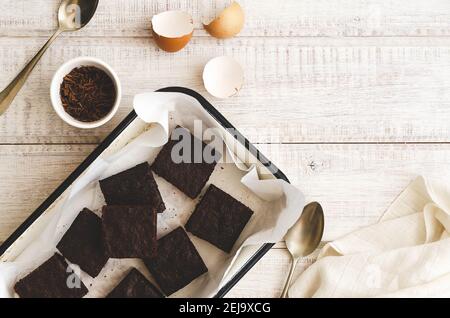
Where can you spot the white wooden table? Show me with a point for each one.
(350, 98)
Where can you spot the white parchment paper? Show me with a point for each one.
(276, 203)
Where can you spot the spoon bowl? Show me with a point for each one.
(304, 237)
(75, 14)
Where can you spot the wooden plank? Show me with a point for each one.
(264, 18)
(354, 183)
(267, 278)
(368, 71)
(29, 174)
(309, 90)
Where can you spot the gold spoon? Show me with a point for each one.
(304, 237)
(72, 16)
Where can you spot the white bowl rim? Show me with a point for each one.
(67, 67)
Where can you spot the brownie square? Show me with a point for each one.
(51, 280)
(219, 218)
(177, 263)
(82, 243)
(190, 174)
(135, 186)
(135, 285)
(129, 231)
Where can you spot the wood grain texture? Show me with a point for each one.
(264, 18)
(266, 279)
(354, 183)
(310, 90)
(29, 174)
(350, 98)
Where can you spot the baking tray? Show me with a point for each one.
(221, 120)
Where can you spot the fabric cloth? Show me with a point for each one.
(406, 254)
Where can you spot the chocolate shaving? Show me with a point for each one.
(87, 93)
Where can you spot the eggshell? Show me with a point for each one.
(223, 77)
(172, 30)
(229, 22)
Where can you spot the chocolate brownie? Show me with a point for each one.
(177, 263)
(186, 171)
(51, 280)
(135, 285)
(82, 243)
(135, 186)
(129, 231)
(219, 218)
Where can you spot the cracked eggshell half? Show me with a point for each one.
(223, 77)
(172, 30)
(228, 23)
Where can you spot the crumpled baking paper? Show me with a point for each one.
(276, 203)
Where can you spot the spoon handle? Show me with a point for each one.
(10, 92)
(288, 281)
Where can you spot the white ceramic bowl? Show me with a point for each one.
(57, 80)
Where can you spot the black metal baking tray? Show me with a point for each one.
(112, 136)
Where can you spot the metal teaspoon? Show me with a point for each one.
(72, 16)
(304, 237)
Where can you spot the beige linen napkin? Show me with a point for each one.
(407, 254)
